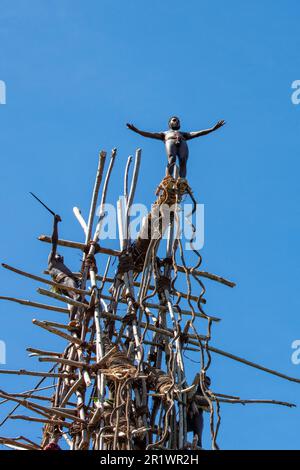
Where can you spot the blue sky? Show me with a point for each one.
(75, 73)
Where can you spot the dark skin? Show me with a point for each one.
(195, 421)
(56, 265)
(175, 142)
(54, 238)
(187, 135)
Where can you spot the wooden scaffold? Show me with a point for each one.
(121, 383)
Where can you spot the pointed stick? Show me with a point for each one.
(129, 160)
(66, 300)
(29, 393)
(247, 402)
(43, 353)
(82, 222)
(67, 362)
(35, 374)
(137, 163)
(39, 408)
(69, 338)
(45, 281)
(57, 325)
(253, 364)
(29, 441)
(92, 248)
(103, 199)
(13, 444)
(80, 246)
(29, 303)
(35, 389)
(212, 277)
(54, 422)
(101, 163)
(30, 405)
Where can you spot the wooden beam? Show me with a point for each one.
(80, 246)
(45, 281)
(36, 374)
(29, 303)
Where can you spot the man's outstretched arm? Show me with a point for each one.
(193, 135)
(151, 135)
(54, 238)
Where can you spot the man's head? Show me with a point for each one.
(174, 123)
(59, 258)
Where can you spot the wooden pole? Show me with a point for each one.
(29, 303)
(99, 175)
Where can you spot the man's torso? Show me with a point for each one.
(177, 136)
(59, 269)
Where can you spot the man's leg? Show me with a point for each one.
(171, 154)
(69, 282)
(195, 424)
(183, 154)
(198, 427)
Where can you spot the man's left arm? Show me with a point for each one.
(193, 135)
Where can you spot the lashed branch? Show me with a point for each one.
(45, 281)
(29, 303)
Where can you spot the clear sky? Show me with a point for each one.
(75, 73)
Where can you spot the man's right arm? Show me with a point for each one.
(151, 135)
(54, 239)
